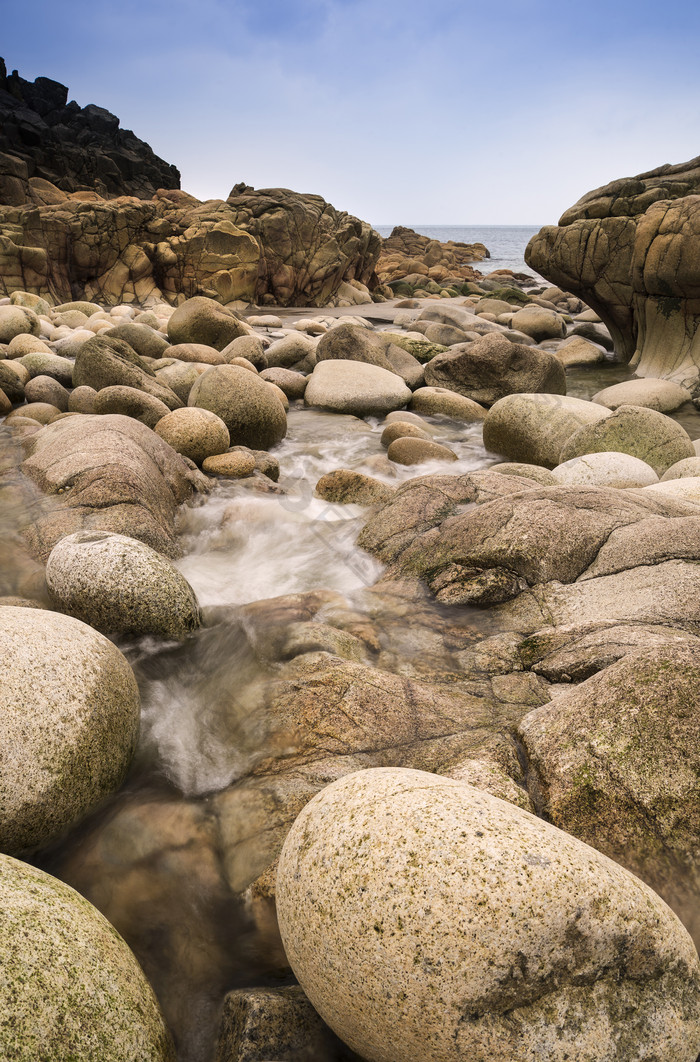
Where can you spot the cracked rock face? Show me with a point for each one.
(629, 250)
(426, 919)
(269, 246)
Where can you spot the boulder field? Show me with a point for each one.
(347, 647)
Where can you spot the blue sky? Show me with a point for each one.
(439, 111)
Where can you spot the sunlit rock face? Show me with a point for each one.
(269, 246)
(631, 250)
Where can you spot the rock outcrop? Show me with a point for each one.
(269, 246)
(629, 250)
(409, 258)
(51, 141)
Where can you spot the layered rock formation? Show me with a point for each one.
(630, 251)
(72, 147)
(271, 246)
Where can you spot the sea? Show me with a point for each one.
(506, 243)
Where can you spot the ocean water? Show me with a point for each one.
(506, 243)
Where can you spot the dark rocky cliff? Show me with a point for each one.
(73, 147)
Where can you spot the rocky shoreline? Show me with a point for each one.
(349, 624)
(521, 586)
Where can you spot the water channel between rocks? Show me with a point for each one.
(170, 855)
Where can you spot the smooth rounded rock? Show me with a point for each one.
(249, 347)
(82, 399)
(71, 988)
(130, 402)
(195, 433)
(10, 382)
(355, 387)
(643, 433)
(292, 383)
(412, 451)
(68, 726)
(46, 389)
(518, 468)
(579, 351)
(346, 487)
(120, 586)
(492, 367)
(247, 405)
(687, 487)
(605, 470)
(533, 428)
(17, 320)
(38, 363)
(401, 429)
(26, 344)
(426, 919)
(665, 396)
(432, 400)
(539, 323)
(43, 412)
(689, 466)
(201, 320)
(233, 465)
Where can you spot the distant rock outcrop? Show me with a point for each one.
(409, 259)
(75, 148)
(630, 251)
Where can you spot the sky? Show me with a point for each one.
(436, 112)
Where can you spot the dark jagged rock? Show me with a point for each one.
(75, 148)
(630, 250)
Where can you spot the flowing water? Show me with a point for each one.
(168, 859)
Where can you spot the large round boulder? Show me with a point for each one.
(120, 586)
(16, 321)
(492, 367)
(202, 320)
(68, 725)
(71, 988)
(247, 405)
(355, 387)
(539, 323)
(643, 433)
(533, 428)
(194, 433)
(426, 919)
